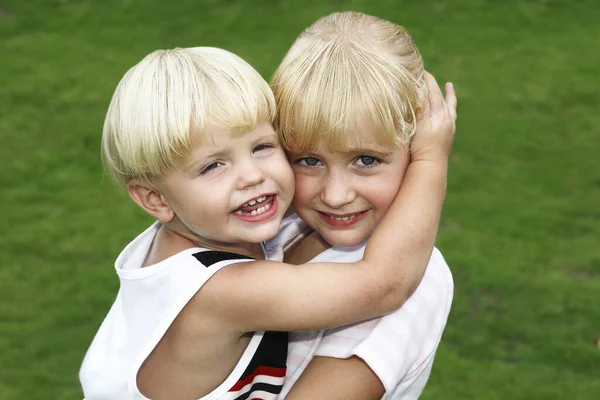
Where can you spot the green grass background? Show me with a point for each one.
(521, 225)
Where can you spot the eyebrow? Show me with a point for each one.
(352, 152)
(378, 153)
(267, 136)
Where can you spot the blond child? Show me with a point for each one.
(189, 135)
(349, 94)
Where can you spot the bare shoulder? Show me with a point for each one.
(207, 308)
(228, 294)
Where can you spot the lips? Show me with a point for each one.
(342, 220)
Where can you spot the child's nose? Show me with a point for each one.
(337, 191)
(250, 175)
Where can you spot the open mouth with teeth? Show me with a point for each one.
(345, 220)
(257, 209)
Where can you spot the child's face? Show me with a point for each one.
(232, 190)
(343, 195)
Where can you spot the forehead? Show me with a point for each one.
(217, 136)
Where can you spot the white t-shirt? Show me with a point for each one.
(399, 347)
(148, 302)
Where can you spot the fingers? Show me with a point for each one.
(436, 99)
(451, 100)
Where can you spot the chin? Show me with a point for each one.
(343, 240)
(264, 234)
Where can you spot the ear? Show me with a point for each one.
(150, 200)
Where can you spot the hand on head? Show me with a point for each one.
(435, 130)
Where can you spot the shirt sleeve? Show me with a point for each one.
(412, 387)
(398, 346)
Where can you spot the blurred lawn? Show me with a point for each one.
(521, 225)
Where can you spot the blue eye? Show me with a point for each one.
(308, 162)
(367, 161)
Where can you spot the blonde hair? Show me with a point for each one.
(172, 94)
(346, 71)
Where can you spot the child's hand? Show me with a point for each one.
(435, 130)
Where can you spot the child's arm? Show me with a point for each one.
(395, 352)
(266, 295)
(328, 378)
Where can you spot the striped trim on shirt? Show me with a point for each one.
(263, 378)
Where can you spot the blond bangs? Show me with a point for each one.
(235, 95)
(346, 73)
(172, 94)
(332, 126)
(335, 114)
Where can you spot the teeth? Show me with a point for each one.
(259, 210)
(254, 201)
(343, 218)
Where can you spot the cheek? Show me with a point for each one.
(211, 204)
(388, 183)
(280, 169)
(383, 191)
(208, 196)
(307, 188)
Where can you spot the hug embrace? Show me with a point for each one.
(293, 250)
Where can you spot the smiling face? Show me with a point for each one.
(344, 195)
(230, 189)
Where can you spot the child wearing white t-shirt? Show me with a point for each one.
(350, 93)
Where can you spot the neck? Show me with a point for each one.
(170, 241)
(306, 249)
